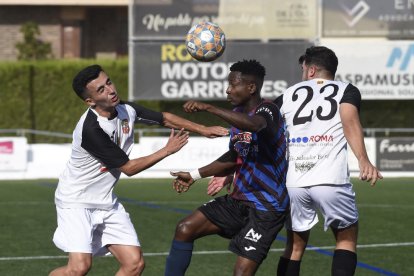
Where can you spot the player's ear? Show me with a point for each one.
(90, 102)
(252, 87)
(312, 71)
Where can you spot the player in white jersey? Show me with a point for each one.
(322, 117)
(91, 221)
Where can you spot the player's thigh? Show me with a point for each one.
(245, 266)
(255, 238)
(337, 205)
(303, 212)
(75, 230)
(118, 228)
(226, 214)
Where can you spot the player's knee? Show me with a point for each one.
(241, 269)
(79, 268)
(134, 266)
(183, 229)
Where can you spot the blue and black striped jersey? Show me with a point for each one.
(260, 179)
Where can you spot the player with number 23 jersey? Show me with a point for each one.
(317, 151)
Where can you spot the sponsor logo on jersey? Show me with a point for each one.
(312, 139)
(252, 235)
(250, 248)
(125, 126)
(265, 109)
(242, 143)
(304, 167)
(242, 137)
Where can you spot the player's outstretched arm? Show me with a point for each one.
(175, 142)
(174, 121)
(355, 138)
(223, 166)
(236, 119)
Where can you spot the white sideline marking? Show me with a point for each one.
(27, 203)
(211, 252)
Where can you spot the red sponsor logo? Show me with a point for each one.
(245, 137)
(321, 138)
(6, 147)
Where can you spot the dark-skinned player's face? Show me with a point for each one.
(239, 90)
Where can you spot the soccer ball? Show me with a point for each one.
(205, 41)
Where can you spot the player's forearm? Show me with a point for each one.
(217, 168)
(237, 119)
(174, 121)
(223, 166)
(140, 164)
(355, 139)
(353, 132)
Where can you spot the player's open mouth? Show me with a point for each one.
(114, 99)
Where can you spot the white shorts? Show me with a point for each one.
(91, 230)
(335, 202)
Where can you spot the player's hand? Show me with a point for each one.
(217, 183)
(368, 172)
(182, 182)
(214, 132)
(194, 106)
(176, 141)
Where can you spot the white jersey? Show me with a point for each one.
(100, 146)
(317, 150)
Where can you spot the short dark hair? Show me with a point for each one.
(322, 57)
(251, 67)
(83, 78)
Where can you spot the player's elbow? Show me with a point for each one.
(127, 169)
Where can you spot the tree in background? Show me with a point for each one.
(32, 48)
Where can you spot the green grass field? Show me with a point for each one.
(28, 221)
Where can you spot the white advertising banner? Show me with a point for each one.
(13, 153)
(353, 162)
(49, 160)
(381, 69)
(197, 153)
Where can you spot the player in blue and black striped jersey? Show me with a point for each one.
(255, 211)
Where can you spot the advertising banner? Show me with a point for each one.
(381, 69)
(239, 19)
(393, 19)
(13, 153)
(370, 146)
(395, 154)
(165, 70)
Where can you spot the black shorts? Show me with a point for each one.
(251, 231)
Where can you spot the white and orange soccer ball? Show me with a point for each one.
(205, 41)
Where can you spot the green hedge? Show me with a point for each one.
(39, 96)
